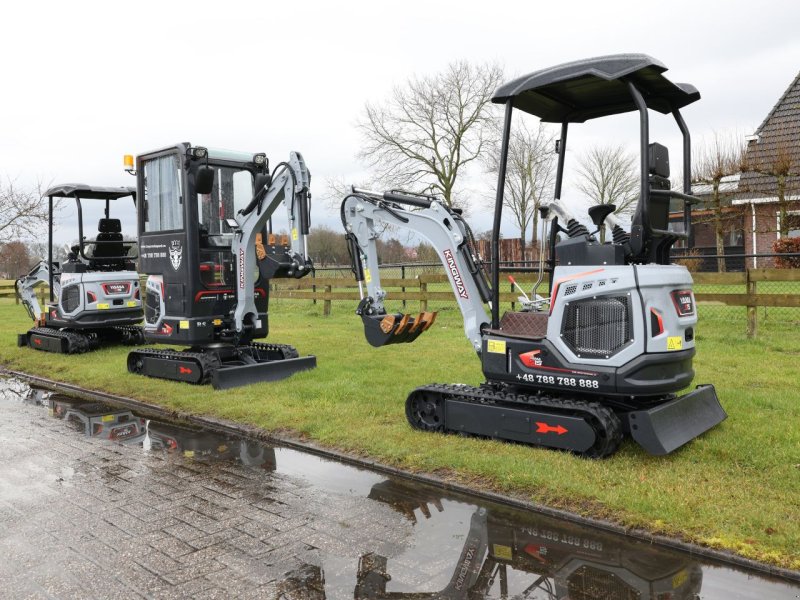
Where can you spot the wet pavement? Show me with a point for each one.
(97, 502)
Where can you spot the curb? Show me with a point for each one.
(230, 427)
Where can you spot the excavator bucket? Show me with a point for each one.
(381, 330)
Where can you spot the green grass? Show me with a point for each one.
(737, 487)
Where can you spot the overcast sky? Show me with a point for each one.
(86, 82)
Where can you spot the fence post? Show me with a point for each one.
(314, 286)
(423, 299)
(403, 276)
(752, 309)
(326, 305)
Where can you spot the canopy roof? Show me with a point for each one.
(90, 192)
(596, 87)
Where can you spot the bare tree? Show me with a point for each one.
(714, 161)
(608, 175)
(15, 260)
(23, 211)
(782, 165)
(431, 128)
(529, 174)
(327, 247)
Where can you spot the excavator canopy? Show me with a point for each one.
(89, 192)
(597, 87)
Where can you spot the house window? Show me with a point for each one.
(793, 217)
(735, 237)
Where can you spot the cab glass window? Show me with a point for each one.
(232, 191)
(163, 196)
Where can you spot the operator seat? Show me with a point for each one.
(107, 254)
(658, 245)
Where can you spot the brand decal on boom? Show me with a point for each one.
(241, 268)
(451, 266)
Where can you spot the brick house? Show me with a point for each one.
(751, 213)
(773, 149)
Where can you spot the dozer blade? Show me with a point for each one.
(663, 428)
(226, 377)
(381, 330)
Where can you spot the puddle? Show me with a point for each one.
(279, 523)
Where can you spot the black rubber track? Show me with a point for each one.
(425, 411)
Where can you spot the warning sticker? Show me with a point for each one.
(183, 324)
(503, 552)
(367, 276)
(496, 346)
(294, 233)
(675, 343)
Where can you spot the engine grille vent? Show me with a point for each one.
(70, 298)
(152, 307)
(570, 289)
(597, 327)
(590, 583)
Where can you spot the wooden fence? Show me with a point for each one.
(417, 290)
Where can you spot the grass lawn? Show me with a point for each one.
(737, 487)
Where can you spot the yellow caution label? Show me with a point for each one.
(501, 551)
(188, 453)
(367, 276)
(675, 343)
(679, 579)
(294, 233)
(183, 324)
(131, 303)
(107, 418)
(217, 321)
(222, 448)
(102, 306)
(496, 346)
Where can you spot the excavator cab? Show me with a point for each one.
(209, 252)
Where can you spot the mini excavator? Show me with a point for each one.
(606, 353)
(94, 295)
(209, 253)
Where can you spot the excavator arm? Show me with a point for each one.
(25, 288)
(363, 214)
(290, 186)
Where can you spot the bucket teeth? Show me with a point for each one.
(387, 324)
(381, 330)
(403, 324)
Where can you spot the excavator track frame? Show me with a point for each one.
(588, 429)
(225, 368)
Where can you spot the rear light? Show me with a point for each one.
(97, 429)
(91, 297)
(136, 294)
(683, 301)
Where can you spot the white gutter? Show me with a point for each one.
(753, 211)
